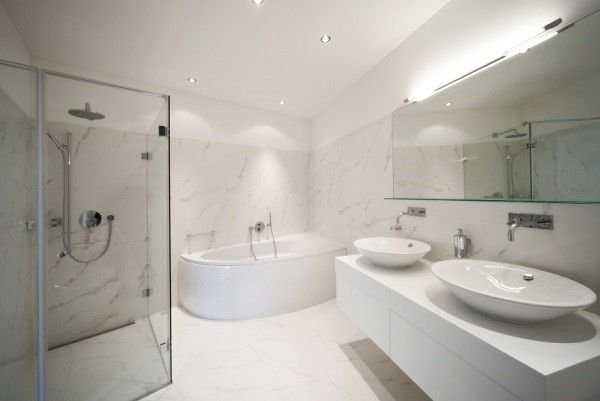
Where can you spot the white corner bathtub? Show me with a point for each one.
(224, 283)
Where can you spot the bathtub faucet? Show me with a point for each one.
(250, 240)
(270, 225)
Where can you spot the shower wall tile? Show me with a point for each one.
(16, 253)
(219, 189)
(107, 175)
(350, 178)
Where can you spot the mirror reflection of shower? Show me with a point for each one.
(510, 157)
(89, 219)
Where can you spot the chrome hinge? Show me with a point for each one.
(146, 156)
(147, 292)
(26, 225)
(166, 345)
(54, 222)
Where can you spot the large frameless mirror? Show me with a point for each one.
(525, 129)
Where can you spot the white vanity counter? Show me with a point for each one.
(454, 353)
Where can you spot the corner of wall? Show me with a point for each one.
(12, 46)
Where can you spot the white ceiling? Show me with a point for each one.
(564, 60)
(247, 54)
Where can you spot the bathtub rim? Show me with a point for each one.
(196, 258)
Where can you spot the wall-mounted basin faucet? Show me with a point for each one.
(537, 221)
(397, 226)
(411, 211)
(512, 227)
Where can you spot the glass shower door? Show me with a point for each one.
(17, 232)
(107, 202)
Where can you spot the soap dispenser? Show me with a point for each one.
(460, 244)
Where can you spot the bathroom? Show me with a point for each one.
(268, 199)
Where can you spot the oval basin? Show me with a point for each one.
(512, 293)
(391, 252)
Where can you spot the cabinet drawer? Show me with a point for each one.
(440, 373)
(369, 315)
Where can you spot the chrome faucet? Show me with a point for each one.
(512, 227)
(397, 226)
(411, 211)
(536, 221)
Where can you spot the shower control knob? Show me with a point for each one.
(90, 219)
(260, 226)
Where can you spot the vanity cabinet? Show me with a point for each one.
(453, 353)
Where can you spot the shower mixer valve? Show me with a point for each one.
(90, 219)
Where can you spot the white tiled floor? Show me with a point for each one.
(315, 354)
(119, 365)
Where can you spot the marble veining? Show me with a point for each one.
(314, 354)
(107, 175)
(119, 365)
(16, 252)
(219, 189)
(351, 177)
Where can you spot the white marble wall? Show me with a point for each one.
(219, 189)
(107, 175)
(565, 161)
(429, 171)
(351, 177)
(17, 252)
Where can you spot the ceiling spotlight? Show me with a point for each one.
(191, 80)
(325, 38)
(257, 2)
(448, 104)
(282, 102)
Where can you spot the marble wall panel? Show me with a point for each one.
(17, 250)
(219, 189)
(107, 175)
(351, 177)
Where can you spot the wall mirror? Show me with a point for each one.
(526, 129)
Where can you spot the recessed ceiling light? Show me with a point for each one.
(448, 104)
(257, 2)
(191, 80)
(325, 38)
(282, 102)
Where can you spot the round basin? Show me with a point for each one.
(512, 293)
(391, 252)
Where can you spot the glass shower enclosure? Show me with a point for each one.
(84, 238)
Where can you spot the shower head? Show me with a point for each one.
(512, 133)
(516, 135)
(86, 113)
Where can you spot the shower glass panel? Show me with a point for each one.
(17, 232)
(108, 303)
(159, 277)
(497, 166)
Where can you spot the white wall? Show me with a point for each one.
(230, 165)
(12, 47)
(461, 36)
(199, 117)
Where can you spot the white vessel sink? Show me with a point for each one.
(512, 293)
(391, 252)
